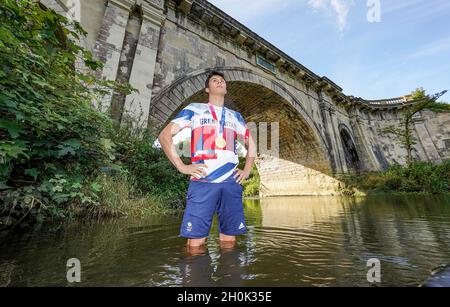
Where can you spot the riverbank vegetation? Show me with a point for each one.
(59, 155)
(403, 132)
(252, 183)
(417, 177)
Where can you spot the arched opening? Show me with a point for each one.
(258, 104)
(351, 154)
(301, 165)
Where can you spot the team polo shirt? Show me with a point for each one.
(221, 162)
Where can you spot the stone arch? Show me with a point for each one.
(185, 87)
(303, 161)
(350, 151)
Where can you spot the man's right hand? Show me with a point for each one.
(195, 170)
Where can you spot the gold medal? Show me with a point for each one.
(220, 142)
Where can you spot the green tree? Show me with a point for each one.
(52, 138)
(403, 133)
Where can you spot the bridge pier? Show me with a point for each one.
(281, 177)
(137, 105)
(109, 43)
(112, 48)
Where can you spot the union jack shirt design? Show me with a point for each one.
(221, 162)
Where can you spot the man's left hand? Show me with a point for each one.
(241, 175)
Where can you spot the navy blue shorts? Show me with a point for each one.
(204, 199)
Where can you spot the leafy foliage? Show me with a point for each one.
(53, 140)
(420, 177)
(137, 154)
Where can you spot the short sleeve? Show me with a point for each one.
(184, 117)
(242, 129)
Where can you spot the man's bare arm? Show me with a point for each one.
(166, 141)
(249, 160)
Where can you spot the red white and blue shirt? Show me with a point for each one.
(221, 162)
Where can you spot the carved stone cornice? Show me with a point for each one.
(125, 4)
(152, 11)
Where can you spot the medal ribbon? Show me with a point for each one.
(221, 123)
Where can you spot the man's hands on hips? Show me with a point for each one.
(195, 170)
(241, 175)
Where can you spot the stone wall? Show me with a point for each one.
(435, 139)
(165, 50)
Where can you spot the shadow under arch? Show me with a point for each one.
(351, 153)
(302, 166)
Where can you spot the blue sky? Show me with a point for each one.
(408, 48)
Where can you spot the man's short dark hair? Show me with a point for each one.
(212, 74)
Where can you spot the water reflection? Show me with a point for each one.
(294, 212)
(197, 268)
(327, 241)
(301, 241)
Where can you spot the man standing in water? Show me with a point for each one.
(215, 184)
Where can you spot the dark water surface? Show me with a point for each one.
(301, 241)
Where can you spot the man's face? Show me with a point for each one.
(217, 85)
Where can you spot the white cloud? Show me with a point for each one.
(317, 4)
(248, 11)
(338, 8)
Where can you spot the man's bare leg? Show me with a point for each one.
(225, 238)
(196, 250)
(196, 242)
(227, 245)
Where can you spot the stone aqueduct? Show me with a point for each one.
(165, 49)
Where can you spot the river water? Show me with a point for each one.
(297, 241)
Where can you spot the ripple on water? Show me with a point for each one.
(294, 242)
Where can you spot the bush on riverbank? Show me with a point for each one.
(120, 196)
(251, 185)
(153, 173)
(59, 155)
(51, 138)
(418, 177)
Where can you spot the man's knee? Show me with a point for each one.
(196, 242)
(226, 238)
